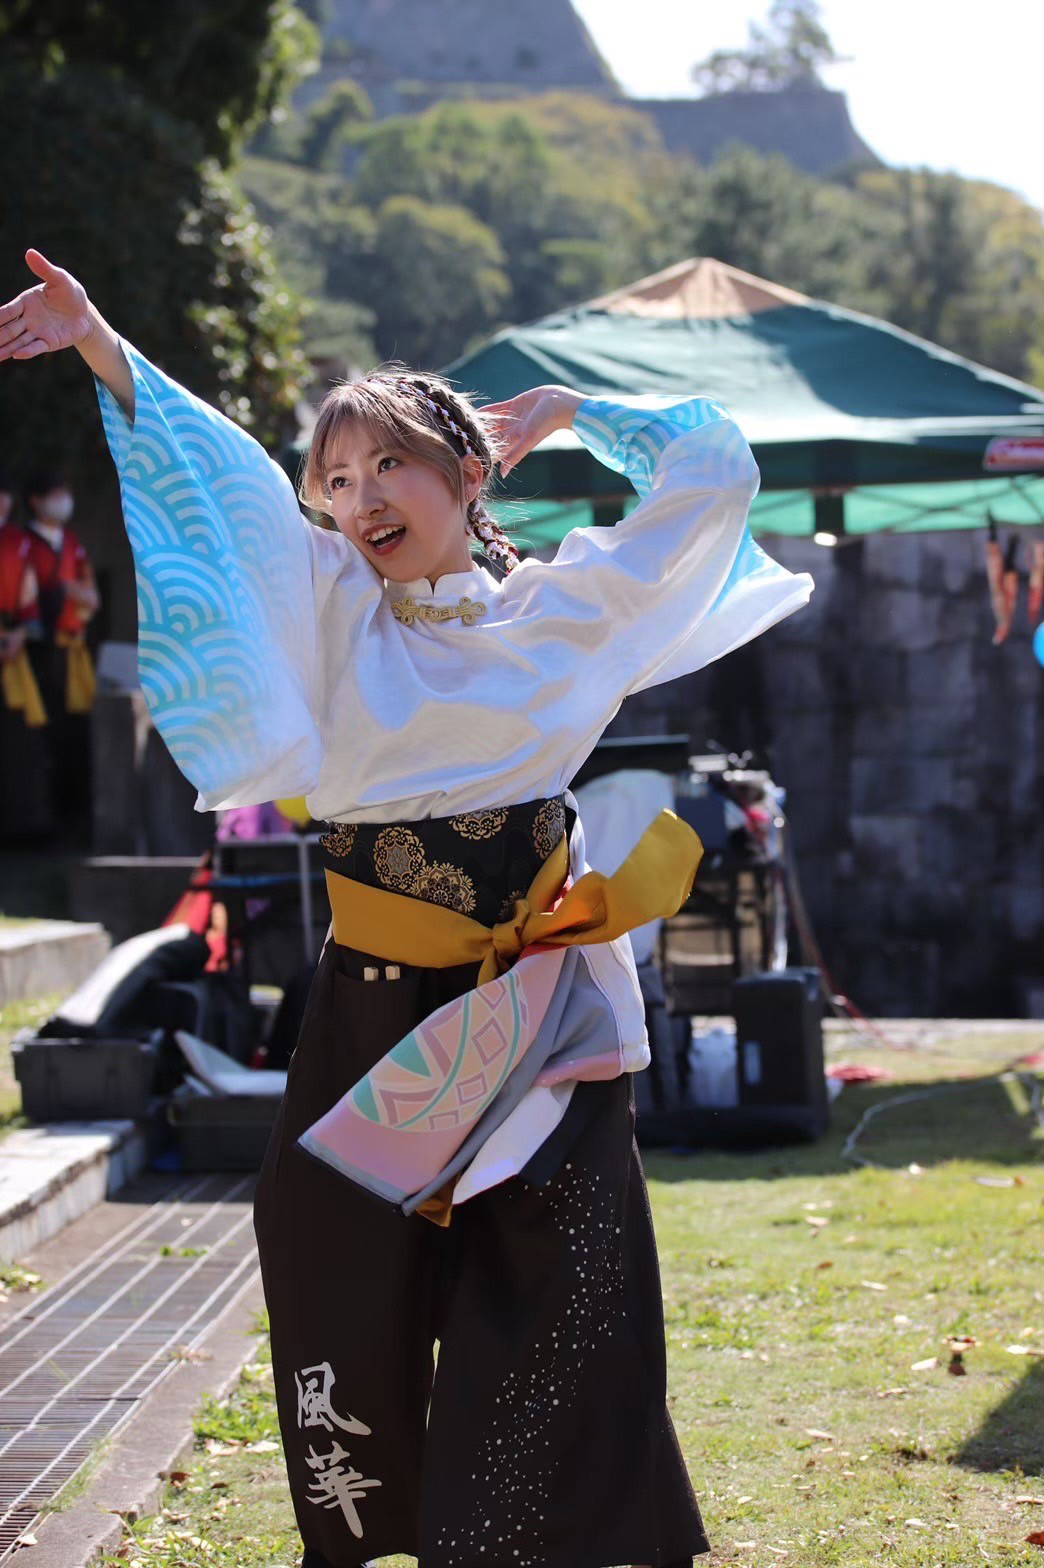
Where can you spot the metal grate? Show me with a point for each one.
(81, 1357)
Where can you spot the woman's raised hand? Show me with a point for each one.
(56, 313)
(53, 314)
(521, 423)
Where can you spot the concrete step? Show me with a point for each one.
(44, 956)
(51, 1174)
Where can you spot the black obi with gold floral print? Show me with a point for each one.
(477, 862)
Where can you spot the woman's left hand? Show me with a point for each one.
(521, 423)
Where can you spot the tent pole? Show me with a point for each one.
(829, 516)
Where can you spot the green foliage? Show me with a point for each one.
(324, 247)
(438, 277)
(528, 205)
(329, 122)
(162, 242)
(790, 1353)
(546, 195)
(762, 215)
(339, 332)
(958, 261)
(955, 261)
(222, 68)
(788, 51)
(581, 197)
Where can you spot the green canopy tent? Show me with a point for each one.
(857, 426)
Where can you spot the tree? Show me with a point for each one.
(328, 123)
(114, 121)
(221, 67)
(323, 243)
(544, 202)
(437, 280)
(787, 52)
(958, 261)
(762, 215)
(164, 245)
(581, 197)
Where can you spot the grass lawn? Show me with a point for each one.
(809, 1303)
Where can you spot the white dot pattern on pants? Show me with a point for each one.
(514, 1463)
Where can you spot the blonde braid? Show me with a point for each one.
(485, 529)
(494, 541)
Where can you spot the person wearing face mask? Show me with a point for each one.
(22, 717)
(68, 598)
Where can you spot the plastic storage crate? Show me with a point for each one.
(219, 1132)
(86, 1079)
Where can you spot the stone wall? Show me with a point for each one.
(913, 755)
(912, 751)
(809, 126)
(393, 47)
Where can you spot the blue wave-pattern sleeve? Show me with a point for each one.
(631, 437)
(226, 614)
(679, 581)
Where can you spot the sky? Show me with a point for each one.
(924, 86)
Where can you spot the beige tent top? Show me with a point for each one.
(697, 288)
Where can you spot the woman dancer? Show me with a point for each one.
(434, 716)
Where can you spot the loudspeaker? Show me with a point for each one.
(779, 1045)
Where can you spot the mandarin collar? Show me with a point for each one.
(450, 586)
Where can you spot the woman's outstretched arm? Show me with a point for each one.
(679, 581)
(56, 314)
(230, 582)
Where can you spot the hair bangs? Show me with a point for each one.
(389, 419)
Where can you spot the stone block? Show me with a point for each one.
(898, 618)
(887, 845)
(815, 871)
(142, 804)
(934, 908)
(933, 729)
(798, 679)
(901, 786)
(865, 904)
(943, 676)
(880, 730)
(48, 957)
(964, 795)
(874, 676)
(976, 978)
(902, 977)
(952, 563)
(816, 822)
(128, 894)
(1025, 910)
(54, 1173)
(958, 844)
(892, 559)
(802, 742)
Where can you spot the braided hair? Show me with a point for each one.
(422, 412)
(457, 423)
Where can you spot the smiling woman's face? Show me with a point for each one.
(375, 489)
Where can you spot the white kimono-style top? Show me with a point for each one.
(273, 665)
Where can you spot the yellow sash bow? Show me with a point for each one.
(654, 881)
(20, 690)
(79, 673)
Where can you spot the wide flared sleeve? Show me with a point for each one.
(230, 578)
(680, 581)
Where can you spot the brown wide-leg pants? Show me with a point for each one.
(544, 1441)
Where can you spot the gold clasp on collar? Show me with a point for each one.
(408, 610)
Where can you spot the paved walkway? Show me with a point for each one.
(147, 1305)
